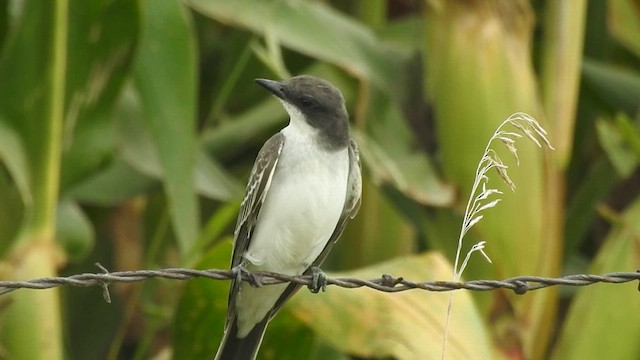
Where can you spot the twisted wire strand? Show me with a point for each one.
(385, 283)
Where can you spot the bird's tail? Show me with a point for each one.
(246, 348)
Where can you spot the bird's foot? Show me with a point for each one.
(318, 280)
(241, 273)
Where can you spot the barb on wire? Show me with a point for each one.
(104, 285)
(386, 283)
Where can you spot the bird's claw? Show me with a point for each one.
(318, 280)
(241, 273)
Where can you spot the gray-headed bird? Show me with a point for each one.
(304, 187)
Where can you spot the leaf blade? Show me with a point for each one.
(168, 48)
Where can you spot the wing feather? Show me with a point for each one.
(257, 189)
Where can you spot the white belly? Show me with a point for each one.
(300, 213)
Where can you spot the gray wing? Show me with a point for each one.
(349, 211)
(257, 189)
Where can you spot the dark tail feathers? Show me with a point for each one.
(233, 348)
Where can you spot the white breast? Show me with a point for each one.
(302, 207)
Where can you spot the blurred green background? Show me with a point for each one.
(128, 128)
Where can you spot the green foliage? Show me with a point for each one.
(586, 319)
(199, 324)
(412, 329)
(167, 34)
(128, 128)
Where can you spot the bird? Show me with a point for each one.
(304, 187)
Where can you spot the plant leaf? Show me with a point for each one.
(587, 318)
(199, 320)
(74, 231)
(165, 74)
(138, 151)
(411, 173)
(618, 88)
(623, 159)
(624, 22)
(112, 185)
(314, 29)
(100, 53)
(407, 325)
(12, 154)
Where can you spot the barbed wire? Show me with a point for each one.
(386, 283)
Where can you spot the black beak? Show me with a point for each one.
(275, 87)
